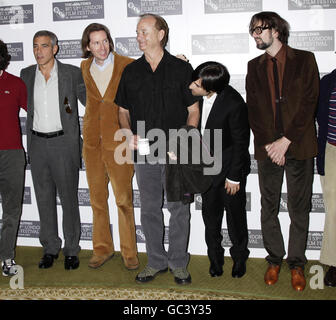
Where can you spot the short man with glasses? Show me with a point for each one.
(282, 88)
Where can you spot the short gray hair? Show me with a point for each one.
(46, 33)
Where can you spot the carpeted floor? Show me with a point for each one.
(113, 282)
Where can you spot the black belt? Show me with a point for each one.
(49, 134)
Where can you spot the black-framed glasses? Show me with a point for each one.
(258, 30)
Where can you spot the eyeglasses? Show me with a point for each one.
(258, 30)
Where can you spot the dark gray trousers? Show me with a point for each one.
(151, 183)
(53, 168)
(12, 173)
(299, 178)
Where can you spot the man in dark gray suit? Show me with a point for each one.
(54, 146)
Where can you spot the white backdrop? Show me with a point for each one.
(201, 29)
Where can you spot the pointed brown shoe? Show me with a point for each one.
(131, 263)
(298, 279)
(272, 274)
(97, 261)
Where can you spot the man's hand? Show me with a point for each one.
(231, 188)
(182, 57)
(133, 142)
(277, 150)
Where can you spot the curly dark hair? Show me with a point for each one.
(4, 56)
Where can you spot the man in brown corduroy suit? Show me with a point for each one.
(101, 72)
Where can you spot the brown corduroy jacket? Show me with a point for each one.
(101, 114)
(300, 93)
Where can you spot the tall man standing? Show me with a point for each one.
(13, 96)
(101, 72)
(154, 89)
(54, 147)
(282, 89)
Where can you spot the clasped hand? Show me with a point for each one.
(277, 150)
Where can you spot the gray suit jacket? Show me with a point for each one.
(70, 85)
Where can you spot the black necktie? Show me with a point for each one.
(278, 120)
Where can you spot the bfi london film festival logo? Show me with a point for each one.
(78, 10)
(228, 43)
(160, 7)
(311, 4)
(15, 49)
(224, 6)
(128, 46)
(319, 40)
(69, 49)
(15, 16)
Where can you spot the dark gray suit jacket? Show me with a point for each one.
(70, 85)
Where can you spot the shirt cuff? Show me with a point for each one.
(231, 181)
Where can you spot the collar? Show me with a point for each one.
(107, 61)
(164, 58)
(281, 55)
(210, 100)
(53, 71)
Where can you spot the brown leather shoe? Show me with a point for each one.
(298, 279)
(131, 263)
(97, 261)
(272, 274)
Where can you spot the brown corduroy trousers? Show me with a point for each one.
(100, 169)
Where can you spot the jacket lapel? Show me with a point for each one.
(30, 86)
(200, 104)
(89, 82)
(111, 89)
(290, 70)
(62, 83)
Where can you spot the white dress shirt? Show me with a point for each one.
(207, 106)
(107, 61)
(46, 102)
(206, 109)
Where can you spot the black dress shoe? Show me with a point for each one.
(71, 262)
(47, 261)
(215, 271)
(238, 269)
(330, 277)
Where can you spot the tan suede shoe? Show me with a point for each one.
(97, 261)
(131, 263)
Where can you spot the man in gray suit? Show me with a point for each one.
(54, 146)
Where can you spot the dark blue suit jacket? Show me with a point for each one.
(326, 86)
